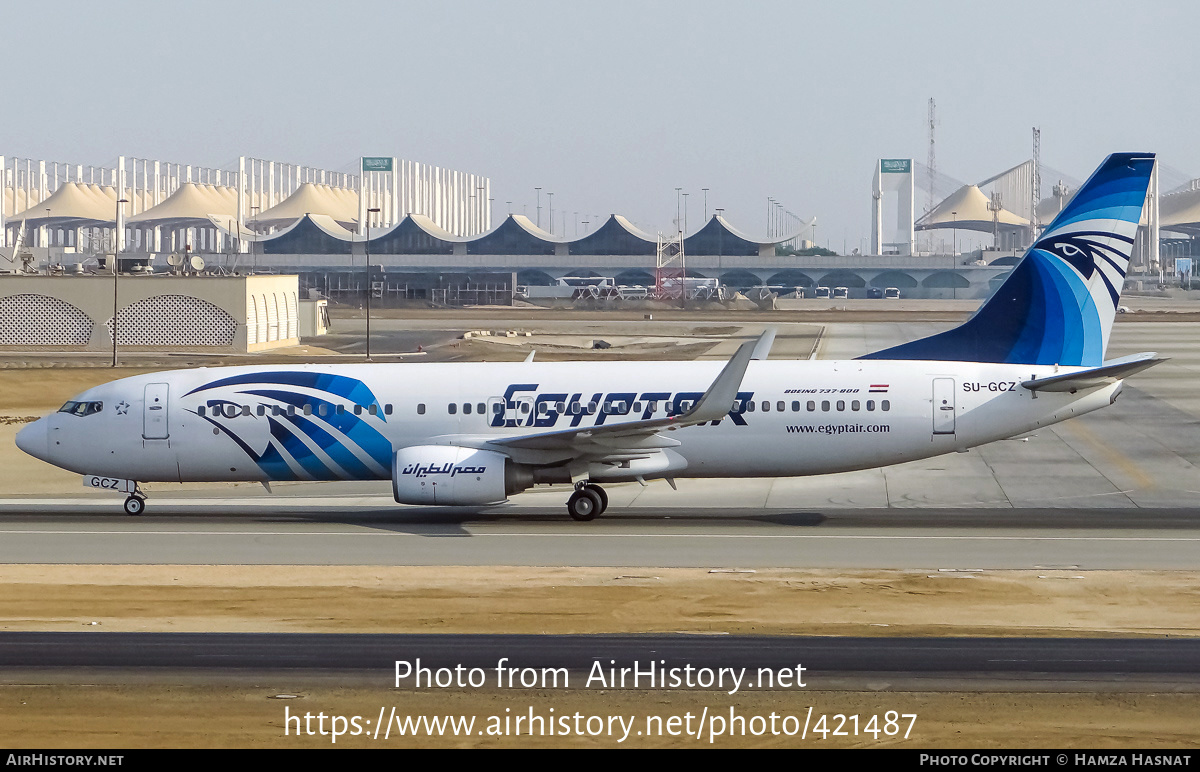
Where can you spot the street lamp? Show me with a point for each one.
(953, 250)
(539, 209)
(254, 244)
(116, 272)
(551, 197)
(370, 290)
(705, 204)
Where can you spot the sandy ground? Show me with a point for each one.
(248, 716)
(503, 599)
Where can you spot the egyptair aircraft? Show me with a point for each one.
(476, 433)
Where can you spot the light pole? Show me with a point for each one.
(370, 290)
(539, 209)
(551, 197)
(705, 204)
(685, 195)
(254, 244)
(953, 249)
(678, 216)
(116, 272)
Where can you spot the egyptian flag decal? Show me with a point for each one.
(879, 388)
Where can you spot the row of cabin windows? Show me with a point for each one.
(322, 409)
(574, 408)
(622, 408)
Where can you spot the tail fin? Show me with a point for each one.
(1058, 304)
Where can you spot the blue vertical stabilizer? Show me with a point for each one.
(1058, 304)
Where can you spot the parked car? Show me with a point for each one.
(892, 293)
(874, 293)
(841, 292)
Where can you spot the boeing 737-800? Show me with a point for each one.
(476, 433)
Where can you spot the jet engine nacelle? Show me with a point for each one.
(449, 475)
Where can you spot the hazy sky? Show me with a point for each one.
(612, 105)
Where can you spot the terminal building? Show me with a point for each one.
(407, 231)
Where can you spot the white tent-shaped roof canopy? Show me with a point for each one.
(967, 208)
(192, 204)
(339, 204)
(74, 204)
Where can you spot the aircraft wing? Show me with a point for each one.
(646, 435)
(1109, 372)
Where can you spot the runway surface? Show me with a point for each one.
(1100, 658)
(333, 534)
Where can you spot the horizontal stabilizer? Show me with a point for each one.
(1110, 372)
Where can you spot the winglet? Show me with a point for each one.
(717, 401)
(763, 347)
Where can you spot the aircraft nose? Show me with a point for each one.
(34, 439)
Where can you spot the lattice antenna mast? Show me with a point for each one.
(670, 272)
(931, 163)
(1036, 188)
(994, 206)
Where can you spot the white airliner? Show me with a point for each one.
(476, 433)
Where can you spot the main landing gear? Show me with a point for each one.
(136, 503)
(587, 502)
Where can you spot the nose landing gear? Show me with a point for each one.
(136, 503)
(587, 502)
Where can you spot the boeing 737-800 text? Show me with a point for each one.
(476, 433)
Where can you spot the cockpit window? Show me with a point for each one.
(82, 408)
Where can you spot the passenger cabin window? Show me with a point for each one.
(841, 405)
(825, 405)
(245, 410)
(779, 406)
(796, 407)
(870, 405)
(452, 408)
(307, 409)
(262, 410)
(811, 406)
(358, 410)
(885, 405)
(199, 410)
(420, 408)
(479, 408)
(373, 409)
(387, 409)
